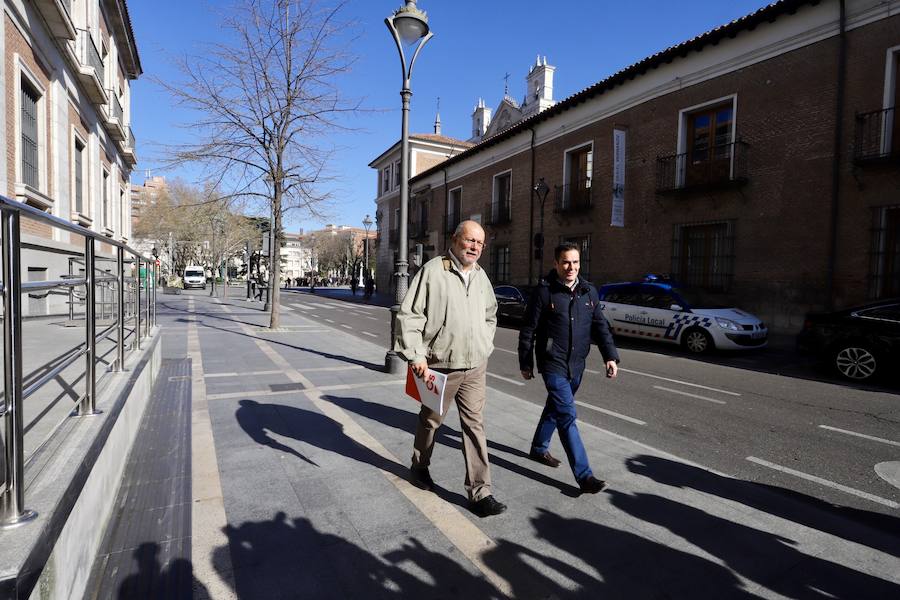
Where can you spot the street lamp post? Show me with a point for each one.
(367, 223)
(541, 189)
(409, 27)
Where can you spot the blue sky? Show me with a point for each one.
(474, 46)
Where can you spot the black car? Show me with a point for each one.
(860, 343)
(511, 302)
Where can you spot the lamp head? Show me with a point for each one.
(411, 23)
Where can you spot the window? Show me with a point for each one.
(884, 271)
(579, 169)
(584, 250)
(105, 221)
(709, 144)
(397, 174)
(386, 180)
(703, 255)
(29, 127)
(500, 202)
(78, 168)
(422, 224)
(500, 264)
(454, 209)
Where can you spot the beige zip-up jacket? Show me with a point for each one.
(442, 322)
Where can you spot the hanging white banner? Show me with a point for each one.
(618, 200)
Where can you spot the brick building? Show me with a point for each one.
(752, 163)
(66, 71)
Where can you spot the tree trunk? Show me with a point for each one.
(275, 267)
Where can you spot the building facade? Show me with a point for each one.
(67, 69)
(756, 164)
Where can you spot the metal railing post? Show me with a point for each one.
(71, 291)
(137, 302)
(120, 309)
(12, 508)
(89, 403)
(155, 290)
(148, 276)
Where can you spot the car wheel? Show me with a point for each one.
(697, 341)
(855, 361)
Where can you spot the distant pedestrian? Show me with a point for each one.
(354, 284)
(370, 288)
(447, 323)
(563, 316)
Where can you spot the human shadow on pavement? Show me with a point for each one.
(290, 558)
(405, 420)
(317, 430)
(620, 564)
(175, 582)
(765, 558)
(872, 529)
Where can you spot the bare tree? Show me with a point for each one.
(266, 100)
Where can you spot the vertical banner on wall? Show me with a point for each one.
(618, 200)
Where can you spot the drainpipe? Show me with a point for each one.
(531, 217)
(446, 204)
(836, 159)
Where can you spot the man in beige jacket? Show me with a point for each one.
(447, 323)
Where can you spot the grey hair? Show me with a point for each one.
(462, 225)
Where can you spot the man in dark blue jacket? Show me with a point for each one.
(562, 319)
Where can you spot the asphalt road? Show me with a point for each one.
(733, 414)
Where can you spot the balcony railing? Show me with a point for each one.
(876, 138)
(88, 53)
(574, 197)
(116, 291)
(720, 166)
(115, 107)
(498, 213)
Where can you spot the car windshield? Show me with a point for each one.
(193, 273)
(697, 299)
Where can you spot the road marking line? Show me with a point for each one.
(311, 388)
(369, 334)
(862, 435)
(329, 320)
(345, 326)
(208, 520)
(825, 482)
(373, 318)
(316, 316)
(279, 372)
(678, 381)
(507, 351)
(611, 413)
(506, 379)
(473, 543)
(679, 392)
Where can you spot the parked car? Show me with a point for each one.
(658, 310)
(859, 343)
(511, 302)
(194, 277)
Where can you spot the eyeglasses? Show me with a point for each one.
(474, 242)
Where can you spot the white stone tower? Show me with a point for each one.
(481, 118)
(539, 94)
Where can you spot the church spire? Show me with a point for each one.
(437, 118)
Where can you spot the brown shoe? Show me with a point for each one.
(543, 458)
(592, 485)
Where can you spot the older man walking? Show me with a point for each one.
(447, 323)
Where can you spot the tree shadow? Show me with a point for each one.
(313, 428)
(872, 529)
(620, 564)
(406, 421)
(175, 582)
(770, 560)
(282, 558)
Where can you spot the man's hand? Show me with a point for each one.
(527, 374)
(419, 368)
(612, 369)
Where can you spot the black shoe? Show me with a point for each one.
(592, 485)
(420, 477)
(544, 458)
(487, 507)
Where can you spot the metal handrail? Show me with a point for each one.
(12, 500)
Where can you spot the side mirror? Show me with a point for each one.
(676, 307)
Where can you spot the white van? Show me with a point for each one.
(194, 277)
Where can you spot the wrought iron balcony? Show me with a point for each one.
(91, 70)
(128, 146)
(574, 197)
(721, 166)
(877, 136)
(497, 213)
(115, 117)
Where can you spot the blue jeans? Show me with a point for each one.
(559, 413)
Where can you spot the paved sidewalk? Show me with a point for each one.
(300, 453)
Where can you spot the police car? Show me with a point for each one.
(658, 310)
